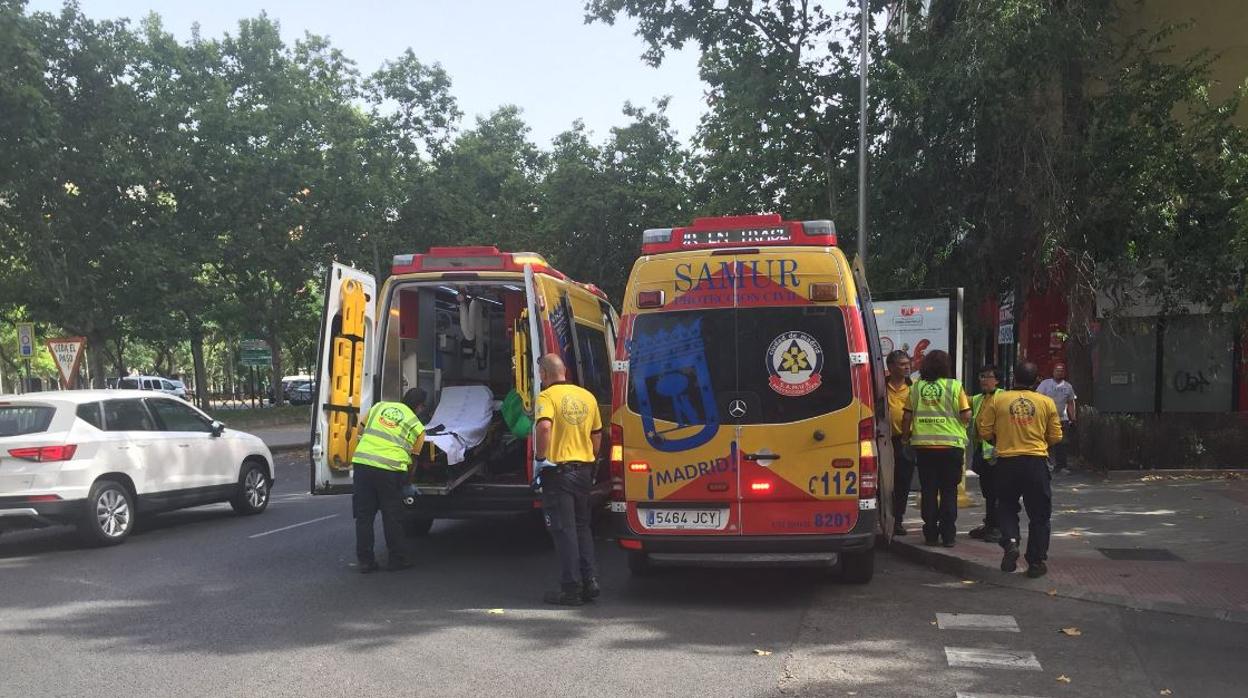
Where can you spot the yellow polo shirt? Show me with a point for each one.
(897, 399)
(1022, 422)
(573, 415)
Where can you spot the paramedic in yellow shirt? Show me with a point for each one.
(1022, 424)
(898, 364)
(567, 440)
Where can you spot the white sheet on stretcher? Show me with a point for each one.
(465, 412)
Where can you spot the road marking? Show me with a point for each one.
(963, 694)
(991, 659)
(287, 528)
(976, 621)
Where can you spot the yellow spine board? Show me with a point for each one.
(521, 360)
(346, 376)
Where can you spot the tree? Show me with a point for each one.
(781, 130)
(482, 190)
(70, 145)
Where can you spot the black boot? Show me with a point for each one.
(568, 595)
(591, 590)
(1009, 559)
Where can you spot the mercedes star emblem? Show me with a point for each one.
(736, 408)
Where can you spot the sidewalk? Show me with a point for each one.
(289, 438)
(1163, 543)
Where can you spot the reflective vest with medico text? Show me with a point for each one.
(391, 432)
(935, 406)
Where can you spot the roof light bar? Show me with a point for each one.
(656, 235)
(819, 227)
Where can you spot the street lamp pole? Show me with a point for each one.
(862, 138)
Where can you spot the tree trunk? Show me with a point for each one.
(279, 396)
(95, 360)
(197, 356)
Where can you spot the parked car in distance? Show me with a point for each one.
(289, 383)
(301, 393)
(156, 383)
(96, 459)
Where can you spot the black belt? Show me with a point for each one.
(572, 465)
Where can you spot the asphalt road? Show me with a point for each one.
(202, 602)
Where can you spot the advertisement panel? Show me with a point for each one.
(925, 322)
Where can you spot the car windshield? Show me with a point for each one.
(19, 420)
(128, 384)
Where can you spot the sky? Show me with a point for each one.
(536, 54)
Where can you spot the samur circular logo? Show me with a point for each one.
(1022, 410)
(390, 417)
(573, 409)
(931, 392)
(795, 362)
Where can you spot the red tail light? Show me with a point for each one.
(760, 486)
(617, 463)
(44, 454)
(868, 464)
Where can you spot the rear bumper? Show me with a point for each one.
(19, 513)
(861, 538)
(475, 501)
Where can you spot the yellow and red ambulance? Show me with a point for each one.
(745, 421)
(466, 324)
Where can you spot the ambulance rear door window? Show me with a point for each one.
(794, 361)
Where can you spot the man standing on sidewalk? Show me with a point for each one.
(568, 437)
(392, 432)
(1022, 424)
(898, 363)
(984, 457)
(1063, 395)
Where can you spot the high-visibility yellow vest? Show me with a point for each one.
(391, 432)
(935, 421)
(977, 403)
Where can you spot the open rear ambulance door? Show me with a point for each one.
(879, 389)
(344, 376)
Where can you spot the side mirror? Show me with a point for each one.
(218, 428)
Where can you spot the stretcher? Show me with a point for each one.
(460, 432)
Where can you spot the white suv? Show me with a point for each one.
(156, 383)
(96, 458)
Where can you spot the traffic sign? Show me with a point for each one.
(255, 352)
(26, 339)
(68, 352)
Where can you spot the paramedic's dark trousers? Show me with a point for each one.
(987, 473)
(940, 471)
(1026, 477)
(903, 473)
(565, 503)
(374, 490)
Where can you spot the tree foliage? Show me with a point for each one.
(168, 198)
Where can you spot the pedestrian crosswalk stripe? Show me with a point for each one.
(964, 694)
(991, 659)
(976, 621)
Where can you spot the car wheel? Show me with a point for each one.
(639, 564)
(109, 515)
(253, 490)
(417, 526)
(858, 568)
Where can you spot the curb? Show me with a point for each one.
(951, 564)
(1211, 473)
(287, 448)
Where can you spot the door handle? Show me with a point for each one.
(184, 445)
(760, 456)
